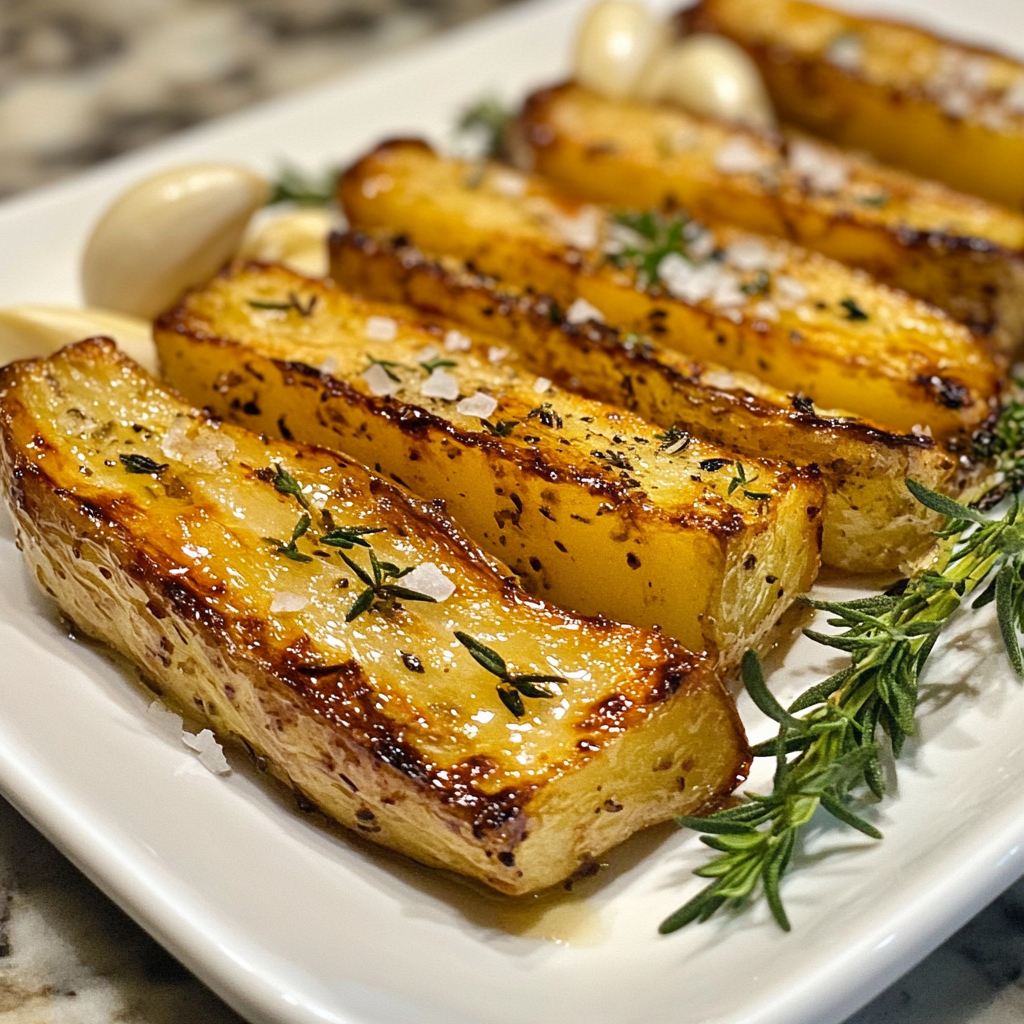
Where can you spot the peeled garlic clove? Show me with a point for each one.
(298, 239)
(168, 233)
(617, 40)
(711, 76)
(35, 332)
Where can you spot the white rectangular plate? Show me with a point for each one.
(292, 923)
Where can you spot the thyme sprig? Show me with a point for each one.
(741, 481)
(142, 464)
(290, 550)
(285, 483)
(348, 537)
(827, 749)
(304, 309)
(653, 236)
(511, 688)
(380, 592)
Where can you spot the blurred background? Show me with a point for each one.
(84, 80)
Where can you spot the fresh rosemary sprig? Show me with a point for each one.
(302, 188)
(379, 591)
(511, 688)
(348, 537)
(888, 639)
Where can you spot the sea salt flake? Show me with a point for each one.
(329, 365)
(700, 244)
(455, 341)
(508, 183)
(740, 156)
(381, 328)
(497, 354)
(284, 601)
(165, 719)
(1013, 98)
(765, 311)
(957, 103)
(427, 579)
(918, 431)
(541, 384)
(440, 384)
(789, 290)
(480, 405)
(209, 449)
(747, 254)
(378, 381)
(581, 311)
(727, 292)
(846, 51)
(687, 281)
(211, 753)
(822, 171)
(428, 353)
(581, 230)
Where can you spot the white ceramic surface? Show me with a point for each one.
(292, 923)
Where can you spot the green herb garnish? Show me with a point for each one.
(547, 415)
(380, 592)
(831, 754)
(759, 284)
(302, 188)
(853, 310)
(511, 688)
(741, 480)
(293, 303)
(285, 483)
(503, 428)
(289, 550)
(657, 235)
(489, 121)
(143, 464)
(388, 367)
(439, 363)
(674, 440)
(348, 537)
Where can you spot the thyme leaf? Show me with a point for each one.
(853, 310)
(348, 537)
(487, 120)
(285, 483)
(438, 363)
(304, 309)
(653, 236)
(511, 688)
(289, 550)
(673, 440)
(388, 367)
(143, 464)
(302, 188)
(503, 428)
(380, 592)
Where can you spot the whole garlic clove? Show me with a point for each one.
(711, 76)
(35, 332)
(616, 42)
(168, 233)
(298, 239)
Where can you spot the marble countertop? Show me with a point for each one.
(81, 80)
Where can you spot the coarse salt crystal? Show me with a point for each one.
(440, 384)
(748, 254)
(728, 292)
(918, 431)
(211, 753)
(686, 281)
(508, 183)
(789, 290)
(480, 405)
(381, 328)
(821, 170)
(497, 354)
(209, 449)
(957, 103)
(722, 379)
(379, 183)
(581, 230)
(1013, 98)
(428, 353)
(846, 51)
(541, 384)
(378, 381)
(329, 365)
(581, 311)
(165, 719)
(740, 156)
(700, 244)
(286, 602)
(427, 579)
(765, 311)
(455, 341)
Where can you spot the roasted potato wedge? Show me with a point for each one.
(580, 498)
(147, 522)
(941, 109)
(798, 321)
(956, 251)
(871, 522)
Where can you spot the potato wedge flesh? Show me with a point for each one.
(901, 363)
(576, 496)
(871, 522)
(172, 568)
(956, 251)
(939, 108)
